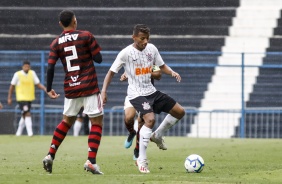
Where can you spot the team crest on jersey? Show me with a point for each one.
(146, 106)
(149, 57)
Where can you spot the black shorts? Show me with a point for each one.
(25, 106)
(157, 102)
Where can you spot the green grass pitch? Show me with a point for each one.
(226, 161)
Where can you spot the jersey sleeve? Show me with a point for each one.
(15, 79)
(93, 44)
(53, 56)
(158, 58)
(119, 62)
(35, 78)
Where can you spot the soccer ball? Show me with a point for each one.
(194, 163)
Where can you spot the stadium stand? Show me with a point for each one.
(202, 21)
(250, 32)
(266, 92)
(194, 25)
(176, 26)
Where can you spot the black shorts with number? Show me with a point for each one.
(157, 102)
(25, 106)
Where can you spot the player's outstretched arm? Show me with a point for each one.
(50, 76)
(106, 83)
(167, 70)
(40, 86)
(11, 90)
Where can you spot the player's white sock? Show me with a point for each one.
(144, 138)
(89, 125)
(136, 124)
(28, 124)
(167, 123)
(76, 128)
(20, 127)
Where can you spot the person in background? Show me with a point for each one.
(24, 81)
(86, 124)
(78, 123)
(1, 106)
(139, 60)
(81, 118)
(77, 50)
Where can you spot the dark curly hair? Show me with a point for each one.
(65, 17)
(141, 28)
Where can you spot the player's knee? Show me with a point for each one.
(150, 122)
(129, 120)
(181, 112)
(178, 112)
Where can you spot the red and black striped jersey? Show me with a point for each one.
(76, 50)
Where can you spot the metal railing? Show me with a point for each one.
(10, 61)
(260, 122)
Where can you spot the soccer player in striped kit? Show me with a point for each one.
(77, 50)
(137, 60)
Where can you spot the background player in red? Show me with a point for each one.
(77, 50)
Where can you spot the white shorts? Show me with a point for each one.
(93, 106)
(127, 103)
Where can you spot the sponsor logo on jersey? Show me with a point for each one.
(74, 79)
(142, 71)
(74, 84)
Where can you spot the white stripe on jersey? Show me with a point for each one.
(136, 65)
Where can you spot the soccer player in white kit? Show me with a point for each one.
(137, 60)
(132, 121)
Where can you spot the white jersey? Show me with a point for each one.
(137, 65)
(15, 80)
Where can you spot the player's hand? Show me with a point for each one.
(104, 97)
(156, 75)
(9, 101)
(156, 72)
(176, 75)
(123, 77)
(52, 94)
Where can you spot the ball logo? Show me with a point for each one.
(193, 163)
